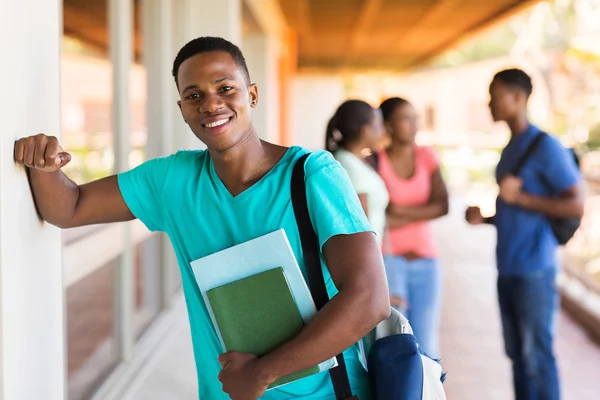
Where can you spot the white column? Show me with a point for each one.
(183, 138)
(221, 18)
(192, 19)
(262, 57)
(158, 57)
(157, 33)
(121, 54)
(32, 326)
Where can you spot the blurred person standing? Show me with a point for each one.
(548, 186)
(353, 133)
(418, 195)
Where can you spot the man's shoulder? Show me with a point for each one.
(190, 156)
(319, 161)
(550, 146)
(183, 161)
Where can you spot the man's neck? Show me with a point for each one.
(518, 125)
(244, 164)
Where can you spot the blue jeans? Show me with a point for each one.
(419, 282)
(528, 307)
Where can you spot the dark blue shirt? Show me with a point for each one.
(525, 240)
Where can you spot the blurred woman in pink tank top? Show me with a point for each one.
(417, 195)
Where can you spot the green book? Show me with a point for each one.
(257, 315)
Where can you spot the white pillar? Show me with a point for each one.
(157, 33)
(221, 18)
(192, 19)
(262, 57)
(183, 138)
(32, 326)
(121, 54)
(158, 57)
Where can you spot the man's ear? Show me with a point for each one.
(520, 96)
(253, 93)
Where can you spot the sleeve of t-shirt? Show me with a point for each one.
(430, 159)
(333, 204)
(142, 189)
(559, 170)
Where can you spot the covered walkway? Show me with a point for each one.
(471, 338)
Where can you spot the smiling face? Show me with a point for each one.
(215, 99)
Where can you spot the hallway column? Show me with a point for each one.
(32, 347)
(157, 33)
(262, 56)
(192, 19)
(121, 56)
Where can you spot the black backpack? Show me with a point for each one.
(563, 228)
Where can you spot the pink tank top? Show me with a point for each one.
(414, 191)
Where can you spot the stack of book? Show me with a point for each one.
(257, 297)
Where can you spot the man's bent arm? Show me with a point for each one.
(568, 205)
(65, 204)
(58, 199)
(356, 266)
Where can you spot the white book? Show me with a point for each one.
(250, 258)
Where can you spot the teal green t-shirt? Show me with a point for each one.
(183, 196)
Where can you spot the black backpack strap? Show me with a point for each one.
(312, 261)
(530, 149)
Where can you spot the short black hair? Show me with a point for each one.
(389, 106)
(206, 44)
(515, 78)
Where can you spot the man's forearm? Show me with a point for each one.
(55, 196)
(554, 207)
(489, 220)
(341, 323)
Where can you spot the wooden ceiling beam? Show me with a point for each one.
(435, 13)
(367, 15)
(302, 9)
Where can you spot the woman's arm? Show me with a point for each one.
(437, 206)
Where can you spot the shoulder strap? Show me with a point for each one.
(530, 149)
(312, 261)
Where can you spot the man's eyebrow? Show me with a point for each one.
(190, 87)
(225, 78)
(215, 82)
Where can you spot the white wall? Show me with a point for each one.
(261, 53)
(313, 100)
(456, 93)
(31, 290)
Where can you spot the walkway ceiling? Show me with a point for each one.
(87, 20)
(341, 35)
(335, 35)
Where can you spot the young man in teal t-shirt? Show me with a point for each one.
(236, 190)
